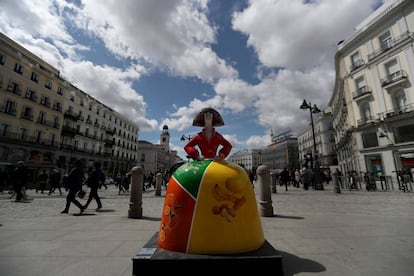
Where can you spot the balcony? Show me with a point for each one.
(69, 114)
(69, 131)
(366, 120)
(109, 143)
(397, 112)
(389, 45)
(363, 92)
(357, 64)
(399, 78)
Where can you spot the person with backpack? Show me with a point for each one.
(94, 181)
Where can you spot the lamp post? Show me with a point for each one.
(314, 157)
(185, 137)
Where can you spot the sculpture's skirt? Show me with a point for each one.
(210, 208)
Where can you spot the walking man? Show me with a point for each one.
(74, 182)
(94, 180)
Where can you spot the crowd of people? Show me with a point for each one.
(78, 180)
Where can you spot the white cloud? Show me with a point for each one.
(295, 42)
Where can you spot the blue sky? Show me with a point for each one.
(158, 62)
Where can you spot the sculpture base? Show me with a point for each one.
(152, 259)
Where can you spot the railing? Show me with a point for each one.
(14, 137)
(365, 120)
(392, 43)
(364, 90)
(394, 77)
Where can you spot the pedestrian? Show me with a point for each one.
(208, 140)
(42, 181)
(120, 180)
(297, 178)
(74, 183)
(54, 181)
(284, 178)
(19, 181)
(94, 180)
(306, 177)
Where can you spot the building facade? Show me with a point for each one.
(324, 141)
(373, 98)
(47, 122)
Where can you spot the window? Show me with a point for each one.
(386, 41)
(23, 134)
(31, 95)
(56, 122)
(39, 135)
(34, 77)
(59, 91)
(52, 139)
(27, 113)
(392, 68)
(9, 107)
(14, 87)
(360, 85)
(404, 134)
(366, 112)
(374, 164)
(370, 139)
(45, 101)
(58, 107)
(356, 61)
(48, 84)
(18, 68)
(72, 98)
(42, 117)
(4, 129)
(400, 100)
(2, 60)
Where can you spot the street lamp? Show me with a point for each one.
(314, 156)
(184, 137)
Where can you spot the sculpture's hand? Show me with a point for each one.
(199, 158)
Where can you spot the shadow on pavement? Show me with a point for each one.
(152, 218)
(293, 264)
(105, 210)
(288, 217)
(84, 214)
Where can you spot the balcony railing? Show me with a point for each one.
(396, 77)
(367, 119)
(14, 137)
(392, 43)
(69, 114)
(357, 64)
(362, 91)
(397, 111)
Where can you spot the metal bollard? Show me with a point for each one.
(158, 184)
(265, 203)
(136, 186)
